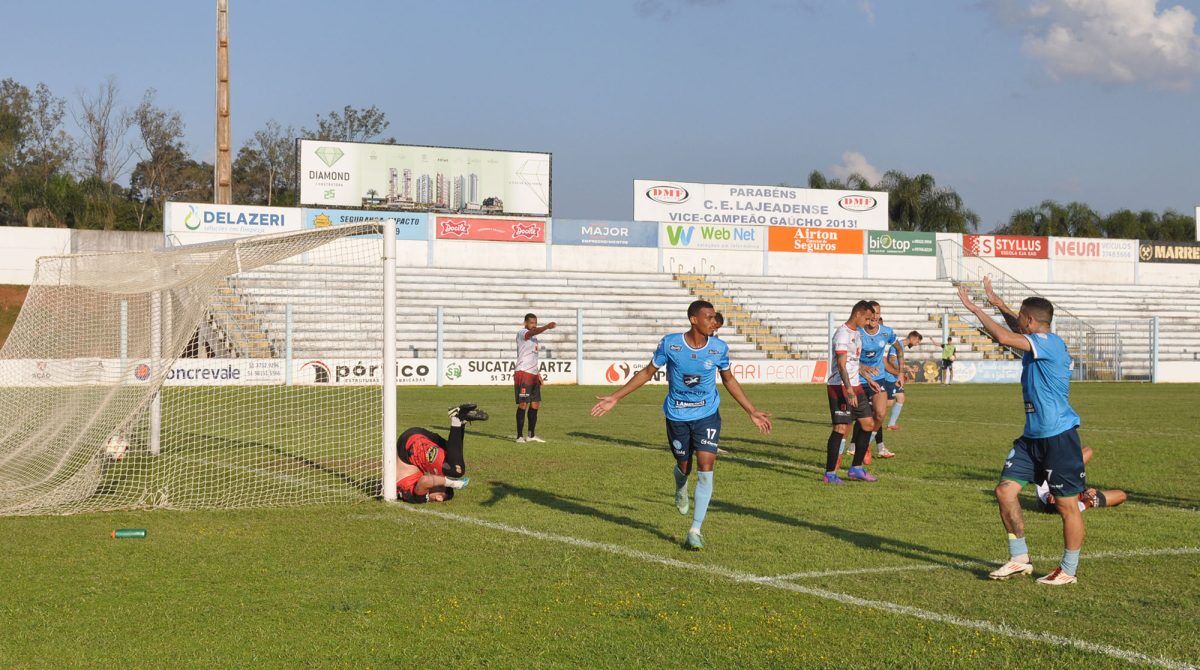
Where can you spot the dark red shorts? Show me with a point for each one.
(527, 387)
(840, 411)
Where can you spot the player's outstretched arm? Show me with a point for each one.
(534, 332)
(1010, 317)
(607, 402)
(997, 332)
(760, 418)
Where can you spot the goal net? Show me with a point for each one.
(197, 376)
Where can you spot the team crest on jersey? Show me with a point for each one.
(691, 380)
(712, 352)
(431, 454)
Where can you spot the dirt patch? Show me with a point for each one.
(11, 299)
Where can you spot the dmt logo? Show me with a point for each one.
(857, 203)
(526, 230)
(191, 220)
(459, 228)
(320, 371)
(329, 155)
(616, 372)
(680, 236)
(667, 195)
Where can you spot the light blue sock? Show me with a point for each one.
(842, 449)
(680, 478)
(1070, 561)
(704, 488)
(1016, 546)
(895, 413)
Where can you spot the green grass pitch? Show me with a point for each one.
(567, 554)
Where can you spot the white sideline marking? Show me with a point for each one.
(739, 577)
(1099, 555)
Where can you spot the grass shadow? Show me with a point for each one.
(569, 505)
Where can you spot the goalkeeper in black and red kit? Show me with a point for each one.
(429, 467)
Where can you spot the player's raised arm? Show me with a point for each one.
(997, 332)
(1010, 317)
(607, 402)
(538, 330)
(759, 417)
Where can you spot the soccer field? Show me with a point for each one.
(567, 554)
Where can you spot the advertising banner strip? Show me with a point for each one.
(604, 233)
(901, 243)
(706, 236)
(186, 218)
(815, 240)
(400, 177)
(409, 225)
(1092, 249)
(1006, 246)
(1169, 252)
(690, 202)
(493, 230)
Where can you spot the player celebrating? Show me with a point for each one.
(878, 341)
(847, 400)
(693, 361)
(1048, 450)
(430, 468)
(527, 380)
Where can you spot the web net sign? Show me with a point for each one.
(701, 236)
(406, 178)
(689, 202)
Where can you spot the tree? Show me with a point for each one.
(265, 167)
(105, 152)
(918, 203)
(161, 172)
(351, 125)
(853, 182)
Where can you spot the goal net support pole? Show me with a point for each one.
(389, 360)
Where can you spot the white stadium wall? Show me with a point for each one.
(603, 259)
(814, 265)
(488, 255)
(712, 261)
(901, 267)
(23, 246)
(1172, 274)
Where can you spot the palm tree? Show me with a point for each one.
(918, 203)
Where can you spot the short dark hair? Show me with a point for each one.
(915, 334)
(861, 306)
(720, 318)
(873, 303)
(530, 315)
(697, 305)
(1039, 308)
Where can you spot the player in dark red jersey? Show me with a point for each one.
(429, 467)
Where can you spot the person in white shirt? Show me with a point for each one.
(527, 379)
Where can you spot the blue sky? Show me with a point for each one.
(1009, 101)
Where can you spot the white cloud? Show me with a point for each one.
(1111, 41)
(856, 163)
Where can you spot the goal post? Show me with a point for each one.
(252, 372)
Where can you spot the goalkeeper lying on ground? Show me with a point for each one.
(430, 468)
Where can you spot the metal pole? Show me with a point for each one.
(287, 345)
(223, 166)
(945, 326)
(156, 359)
(578, 345)
(829, 331)
(389, 360)
(1154, 349)
(440, 345)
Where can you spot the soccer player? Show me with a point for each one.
(878, 340)
(948, 352)
(1049, 449)
(527, 380)
(847, 400)
(720, 323)
(430, 468)
(897, 374)
(1087, 500)
(693, 360)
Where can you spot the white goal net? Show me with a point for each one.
(194, 377)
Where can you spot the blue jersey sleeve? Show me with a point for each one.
(1049, 348)
(660, 354)
(723, 361)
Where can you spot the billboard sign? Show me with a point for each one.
(706, 236)
(815, 240)
(400, 177)
(492, 230)
(1169, 252)
(1092, 249)
(689, 202)
(206, 222)
(1006, 246)
(409, 225)
(604, 233)
(901, 243)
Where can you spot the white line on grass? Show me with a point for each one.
(1098, 555)
(843, 598)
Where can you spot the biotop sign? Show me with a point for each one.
(901, 243)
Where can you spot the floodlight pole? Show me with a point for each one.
(389, 359)
(223, 166)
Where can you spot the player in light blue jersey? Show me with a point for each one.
(1049, 450)
(878, 340)
(693, 361)
(893, 382)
